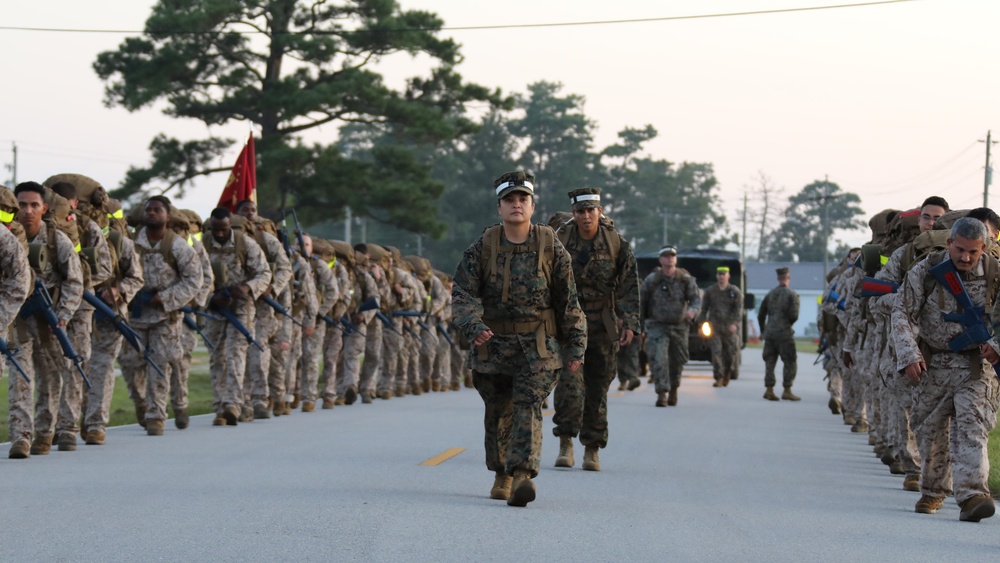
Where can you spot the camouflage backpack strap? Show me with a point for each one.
(491, 248)
(614, 242)
(545, 239)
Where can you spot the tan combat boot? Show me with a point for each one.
(296, 398)
(260, 411)
(769, 394)
(621, 386)
(140, 414)
(565, 458)
(279, 407)
(834, 405)
(725, 380)
(385, 395)
(94, 437)
(911, 482)
(66, 442)
(181, 418)
(860, 427)
(718, 383)
(633, 383)
(661, 399)
(308, 406)
(928, 504)
(154, 428)
(976, 508)
(789, 396)
(366, 398)
(436, 386)
(590, 459)
(501, 486)
(522, 489)
(219, 420)
(232, 415)
(672, 397)
(20, 449)
(350, 395)
(328, 403)
(41, 445)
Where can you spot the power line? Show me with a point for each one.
(922, 176)
(473, 27)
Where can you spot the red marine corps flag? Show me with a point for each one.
(242, 182)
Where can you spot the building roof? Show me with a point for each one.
(805, 275)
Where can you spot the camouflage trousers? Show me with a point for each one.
(513, 418)
(411, 361)
(628, 360)
(459, 371)
(900, 394)
(581, 400)
(312, 353)
(428, 353)
(333, 346)
(163, 341)
(725, 349)
(442, 363)
(280, 365)
(949, 395)
(350, 369)
(392, 347)
(667, 348)
(180, 370)
(372, 365)
(42, 359)
(293, 377)
(854, 389)
(107, 345)
(71, 393)
(255, 391)
(785, 349)
(227, 365)
(835, 382)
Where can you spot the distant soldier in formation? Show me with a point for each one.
(15, 285)
(722, 308)
(514, 293)
(669, 302)
(776, 316)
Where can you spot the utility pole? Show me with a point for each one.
(666, 239)
(988, 176)
(13, 166)
(743, 238)
(347, 226)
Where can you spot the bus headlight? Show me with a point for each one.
(706, 329)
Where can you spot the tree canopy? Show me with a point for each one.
(810, 220)
(288, 67)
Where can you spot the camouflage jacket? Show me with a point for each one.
(130, 278)
(277, 260)
(305, 300)
(476, 296)
(917, 324)
(345, 289)
(251, 269)
(778, 312)
(407, 299)
(327, 291)
(176, 287)
(601, 282)
(665, 299)
(365, 288)
(61, 272)
(93, 238)
(15, 278)
(722, 307)
(207, 277)
(436, 296)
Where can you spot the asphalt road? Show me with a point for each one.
(724, 476)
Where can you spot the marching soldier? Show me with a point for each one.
(327, 295)
(669, 301)
(15, 284)
(778, 312)
(722, 307)
(608, 284)
(513, 293)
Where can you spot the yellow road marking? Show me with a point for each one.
(622, 394)
(547, 413)
(442, 457)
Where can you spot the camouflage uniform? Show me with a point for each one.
(15, 284)
(372, 366)
(723, 308)
(412, 341)
(79, 332)
(177, 283)
(627, 361)
(394, 342)
(515, 369)
(328, 294)
(305, 305)
(428, 336)
(777, 313)
(959, 390)
(180, 368)
(228, 364)
(442, 357)
(108, 341)
(663, 300)
(333, 343)
(854, 388)
(266, 324)
(40, 354)
(608, 290)
(280, 345)
(354, 343)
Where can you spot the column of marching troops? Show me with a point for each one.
(274, 308)
(901, 366)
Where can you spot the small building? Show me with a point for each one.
(807, 281)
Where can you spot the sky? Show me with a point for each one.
(889, 101)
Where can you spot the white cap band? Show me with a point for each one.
(506, 185)
(586, 197)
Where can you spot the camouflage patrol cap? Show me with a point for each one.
(517, 181)
(781, 271)
(584, 198)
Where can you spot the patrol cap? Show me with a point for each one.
(722, 270)
(781, 271)
(517, 181)
(669, 249)
(584, 198)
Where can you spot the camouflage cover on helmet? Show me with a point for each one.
(948, 219)
(421, 266)
(60, 214)
(344, 252)
(324, 249)
(87, 189)
(903, 228)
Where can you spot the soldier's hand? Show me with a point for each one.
(689, 315)
(109, 295)
(573, 365)
(308, 331)
(626, 338)
(732, 329)
(482, 337)
(989, 354)
(914, 371)
(398, 289)
(285, 346)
